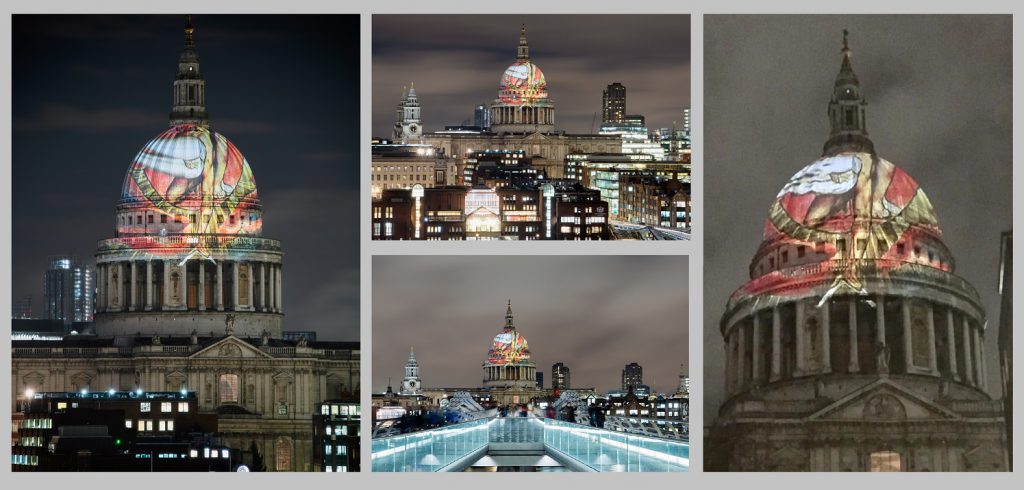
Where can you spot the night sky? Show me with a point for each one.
(89, 91)
(939, 106)
(456, 62)
(594, 313)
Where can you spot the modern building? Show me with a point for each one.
(482, 117)
(336, 435)
(21, 309)
(117, 431)
(539, 210)
(648, 199)
(1006, 337)
(68, 290)
(632, 376)
(854, 346)
(684, 382)
(190, 298)
(540, 379)
(613, 104)
(561, 378)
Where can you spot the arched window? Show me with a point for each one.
(229, 388)
(283, 454)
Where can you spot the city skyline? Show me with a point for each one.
(473, 50)
(914, 71)
(596, 297)
(102, 85)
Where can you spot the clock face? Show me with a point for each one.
(413, 128)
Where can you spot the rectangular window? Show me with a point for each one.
(840, 245)
(785, 256)
(149, 219)
(192, 218)
(183, 407)
(900, 249)
(801, 251)
(144, 407)
(142, 425)
(163, 218)
(166, 407)
(128, 423)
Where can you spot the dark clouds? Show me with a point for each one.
(456, 61)
(89, 91)
(939, 94)
(594, 313)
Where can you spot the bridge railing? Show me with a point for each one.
(429, 450)
(605, 450)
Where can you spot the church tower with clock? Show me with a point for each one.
(411, 384)
(408, 128)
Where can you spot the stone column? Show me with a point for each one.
(264, 283)
(979, 373)
(908, 341)
(234, 286)
(183, 286)
(272, 303)
(252, 281)
(101, 285)
(951, 343)
(167, 285)
(135, 284)
(854, 348)
(741, 356)
(218, 286)
(756, 373)
(149, 285)
(277, 289)
(776, 345)
(202, 286)
(801, 364)
(826, 340)
(968, 366)
(107, 273)
(933, 361)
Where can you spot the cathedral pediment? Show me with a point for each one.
(230, 347)
(883, 401)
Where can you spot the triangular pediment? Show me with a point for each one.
(230, 347)
(883, 401)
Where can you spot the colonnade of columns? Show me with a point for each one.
(511, 373)
(192, 285)
(844, 335)
(522, 115)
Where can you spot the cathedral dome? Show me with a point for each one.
(836, 194)
(509, 347)
(522, 83)
(189, 180)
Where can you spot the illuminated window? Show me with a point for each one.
(142, 425)
(166, 407)
(282, 408)
(283, 454)
(144, 407)
(885, 461)
(183, 407)
(128, 423)
(229, 388)
(62, 405)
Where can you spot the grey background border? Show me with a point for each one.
(694, 248)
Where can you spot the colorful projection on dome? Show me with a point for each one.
(508, 348)
(188, 181)
(852, 208)
(522, 83)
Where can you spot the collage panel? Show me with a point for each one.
(456, 158)
(457, 387)
(149, 329)
(854, 322)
